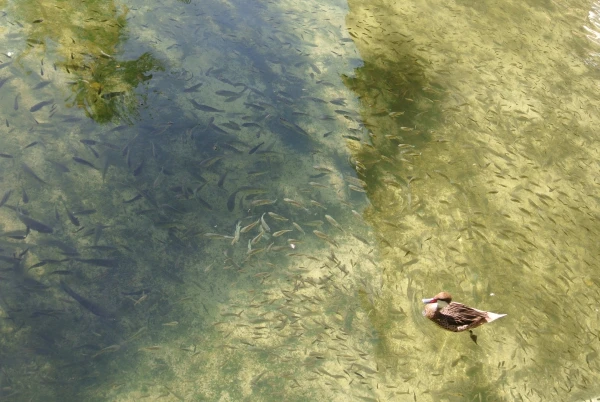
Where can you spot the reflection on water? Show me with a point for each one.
(239, 208)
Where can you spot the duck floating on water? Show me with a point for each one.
(456, 317)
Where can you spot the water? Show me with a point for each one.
(385, 152)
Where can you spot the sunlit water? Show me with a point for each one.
(249, 201)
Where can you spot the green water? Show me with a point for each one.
(275, 186)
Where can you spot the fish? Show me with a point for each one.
(193, 88)
(281, 232)
(5, 197)
(87, 304)
(323, 236)
(222, 179)
(229, 93)
(33, 224)
(231, 201)
(294, 203)
(356, 188)
(84, 162)
(254, 106)
(298, 228)
(135, 198)
(255, 148)
(278, 217)
(217, 236)
(72, 217)
(263, 224)
(31, 173)
(16, 104)
(204, 108)
(5, 80)
(85, 212)
(258, 203)
(40, 105)
(203, 202)
(236, 236)
(293, 126)
(59, 166)
(41, 85)
(99, 262)
(251, 125)
(138, 170)
(7, 156)
(249, 189)
(333, 222)
(249, 227)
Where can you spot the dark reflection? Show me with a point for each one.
(397, 102)
(87, 48)
(105, 88)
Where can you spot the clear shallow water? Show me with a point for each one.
(429, 146)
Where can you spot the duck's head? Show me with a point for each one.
(442, 296)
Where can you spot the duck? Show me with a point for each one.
(456, 317)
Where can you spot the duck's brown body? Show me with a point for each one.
(456, 317)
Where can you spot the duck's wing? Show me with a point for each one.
(458, 315)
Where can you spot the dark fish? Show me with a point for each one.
(87, 304)
(99, 262)
(137, 197)
(293, 126)
(61, 272)
(110, 95)
(24, 196)
(5, 197)
(232, 125)
(204, 108)
(204, 203)
(222, 179)
(40, 105)
(16, 104)
(34, 143)
(255, 148)
(88, 142)
(138, 170)
(59, 166)
(228, 93)
(58, 244)
(318, 100)
(4, 81)
(8, 156)
(39, 264)
(31, 173)
(72, 217)
(84, 162)
(231, 201)
(85, 212)
(16, 234)
(33, 224)
(193, 88)
(96, 154)
(41, 85)
(252, 105)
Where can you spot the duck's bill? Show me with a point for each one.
(427, 301)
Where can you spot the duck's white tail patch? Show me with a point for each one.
(493, 316)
